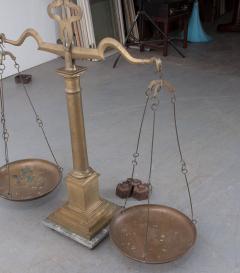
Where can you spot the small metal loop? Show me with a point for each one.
(155, 103)
(39, 121)
(6, 135)
(154, 88)
(184, 171)
(135, 155)
(2, 48)
(182, 161)
(173, 99)
(2, 39)
(17, 66)
(2, 56)
(194, 221)
(184, 167)
(150, 188)
(2, 67)
(134, 162)
(60, 169)
(154, 107)
(147, 93)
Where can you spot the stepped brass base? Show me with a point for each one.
(89, 243)
(86, 224)
(85, 215)
(77, 238)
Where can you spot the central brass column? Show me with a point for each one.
(76, 119)
(86, 213)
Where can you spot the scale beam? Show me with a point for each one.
(80, 52)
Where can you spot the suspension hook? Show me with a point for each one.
(2, 40)
(154, 88)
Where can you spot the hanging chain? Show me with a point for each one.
(154, 108)
(184, 169)
(5, 133)
(136, 154)
(152, 93)
(38, 119)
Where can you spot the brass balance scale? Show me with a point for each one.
(85, 216)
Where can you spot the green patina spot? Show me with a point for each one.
(26, 175)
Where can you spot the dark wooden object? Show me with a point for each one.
(234, 26)
(165, 13)
(209, 9)
(23, 78)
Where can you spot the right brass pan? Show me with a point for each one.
(170, 233)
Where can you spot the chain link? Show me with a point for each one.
(136, 154)
(184, 169)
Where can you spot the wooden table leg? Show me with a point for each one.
(185, 31)
(165, 43)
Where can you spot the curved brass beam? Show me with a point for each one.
(98, 53)
(82, 53)
(48, 47)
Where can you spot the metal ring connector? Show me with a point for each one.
(2, 67)
(173, 99)
(2, 38)
(184, 171)
(134, 162)
(17, 66)
(135, 155)
(194, 221)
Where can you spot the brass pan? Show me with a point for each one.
(170, 233)
(29, 179)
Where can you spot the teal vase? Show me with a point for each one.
(196, 33)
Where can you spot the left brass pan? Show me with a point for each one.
(29, 179)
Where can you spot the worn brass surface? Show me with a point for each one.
(85, 213)
(29, 179)
(170, 235)
(76, 119)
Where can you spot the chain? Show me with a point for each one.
(154, 108)
(5, 133)
(152, 94)
(184, 169)
(37, 117)
(136, 154)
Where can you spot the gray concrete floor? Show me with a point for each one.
(208, 112)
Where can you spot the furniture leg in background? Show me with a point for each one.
(235, 25)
